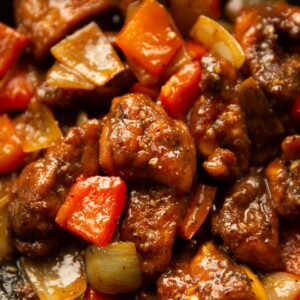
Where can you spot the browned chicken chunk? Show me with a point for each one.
(140, 142)
(217, 122)
(210, 274)
(248, 224)
(44, 184)
(46, 22)
(283, 174)
(151, 219)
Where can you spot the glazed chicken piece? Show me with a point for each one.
(210, 274)
(43, 185)
(151, 218)
(46, 22)
(267, 34)
(249, 225)
(217, 122)
(283, 174)
(141, 143)
(290, 245)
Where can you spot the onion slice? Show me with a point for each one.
(215, 37)
(89, 53)
(57, 277)
(113, 269)
(37, 127)
(63, 77)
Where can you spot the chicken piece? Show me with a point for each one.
(283, 174)
(217, 122)
(43, 185)
(210, 274)
(249, 225)
(46, 22)
(141, 143)
(151, 219)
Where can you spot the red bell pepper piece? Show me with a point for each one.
(149, 37)
(12, 44)
(181, 90)
(93, 207)
(16, 91)
(92, 294)
(11, 152)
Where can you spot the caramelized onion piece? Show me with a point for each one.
(89, 53)
(216, 38)
(63, 77)
(282, 285)
(37, 128)
(58, 277)
(113, 269)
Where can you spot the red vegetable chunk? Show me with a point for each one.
(11, 153)
(181, 90)
(93, 207)
(12, 44)
(16, 91)
(149, 37)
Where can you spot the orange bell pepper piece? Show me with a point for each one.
(149, 37)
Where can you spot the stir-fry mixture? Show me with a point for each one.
(149, 150)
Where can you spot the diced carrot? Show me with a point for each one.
(198, 208)
(149, 37)
(93, 207)
(12, 44)
(181, 90)
(11, 153)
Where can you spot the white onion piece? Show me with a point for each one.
(282, 285)
(216, 38)
(59, 277)
(113, 269)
